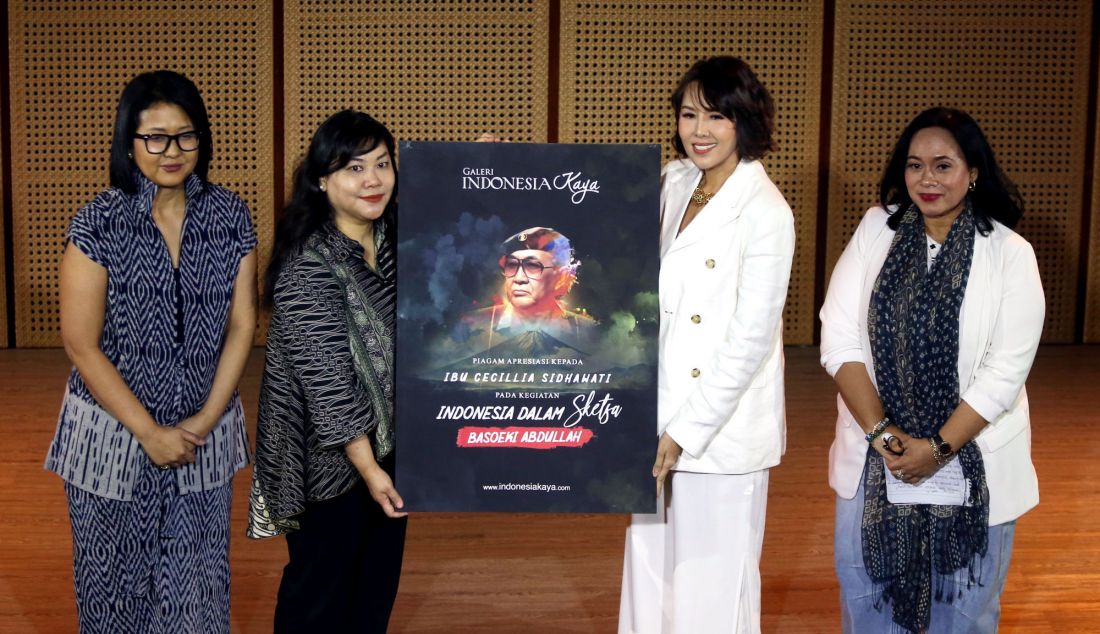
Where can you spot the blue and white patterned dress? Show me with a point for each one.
(150, 546)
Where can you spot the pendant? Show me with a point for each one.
(700, 197)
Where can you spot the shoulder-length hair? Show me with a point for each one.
(994, 196)
(342, 137)
(143, 91)
(727, 85)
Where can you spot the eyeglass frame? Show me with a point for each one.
(523, 264)
(170, 139)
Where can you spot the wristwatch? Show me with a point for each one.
(943, 446)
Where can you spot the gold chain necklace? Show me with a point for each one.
(700, 197)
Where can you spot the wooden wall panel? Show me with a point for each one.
(4, 343)
(1092, 298)
(450, 70)
(1019, 67)
(441, 71)
(70, 60)
(621, 61)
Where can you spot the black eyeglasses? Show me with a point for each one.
(532, 268)
(158, 143)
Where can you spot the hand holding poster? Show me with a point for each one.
(527, 327)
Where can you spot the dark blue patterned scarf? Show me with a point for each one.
(913, 323)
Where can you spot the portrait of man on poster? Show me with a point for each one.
(538, 268)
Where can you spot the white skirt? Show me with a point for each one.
(694, 566)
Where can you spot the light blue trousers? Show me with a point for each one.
(977, 611)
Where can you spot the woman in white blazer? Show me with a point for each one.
(727, 240)
(929, 328)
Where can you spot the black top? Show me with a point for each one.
(311, 401)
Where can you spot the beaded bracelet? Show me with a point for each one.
(877, 430)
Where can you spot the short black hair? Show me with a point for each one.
(729, 86)
(143, 91)
(994, 196)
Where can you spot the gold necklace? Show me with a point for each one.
(700, 197)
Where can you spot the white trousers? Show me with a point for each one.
(694, 566)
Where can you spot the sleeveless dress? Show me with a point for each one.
(151, 546)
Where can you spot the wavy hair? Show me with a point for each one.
(342, 137)
(994, 196)
(727, 85)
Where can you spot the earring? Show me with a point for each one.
(322, 185)
(973, 185)
(130, 154)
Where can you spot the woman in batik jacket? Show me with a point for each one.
(324, 456)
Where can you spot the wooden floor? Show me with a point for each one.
(546, 574)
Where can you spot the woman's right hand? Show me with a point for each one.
(170, 446)
(668, 453)
(382, 490)
(903, 441)
(489, 137)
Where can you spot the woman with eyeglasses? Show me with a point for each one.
(727, 241)
(325, 434)
(158, 310)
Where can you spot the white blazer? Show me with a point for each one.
(1001, 321)
(723, 284)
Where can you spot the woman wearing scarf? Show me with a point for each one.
(929, 328)
(324, 454)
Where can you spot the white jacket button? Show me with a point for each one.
(696, 319)
(709, 263)
(695, 372)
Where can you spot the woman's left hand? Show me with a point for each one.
(379, 483)
(384, 493)
(668, 452)
(200, 424)
(916, 464)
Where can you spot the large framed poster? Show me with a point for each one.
(527, 327)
